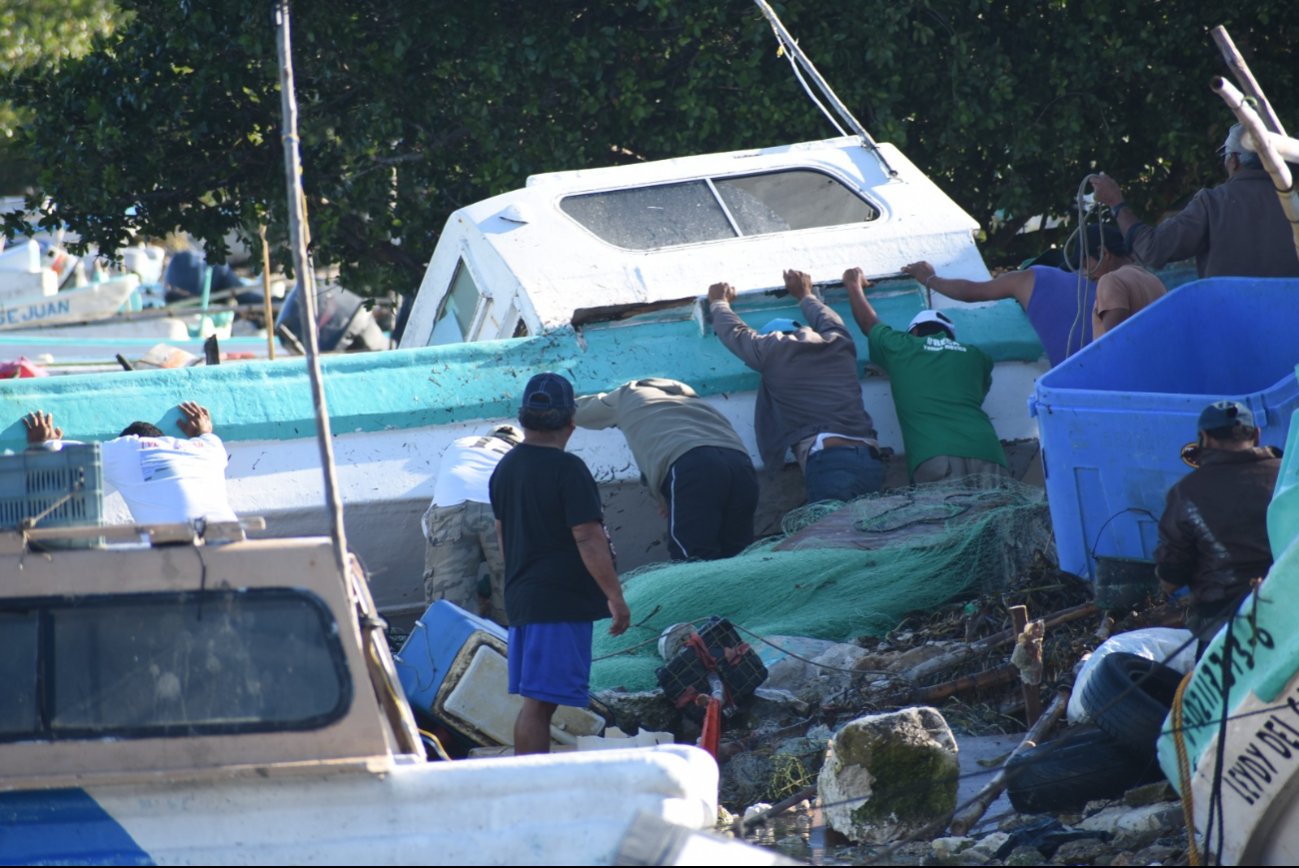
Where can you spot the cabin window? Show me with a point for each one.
(456, 314)
(150, 665)
(797, 199)
(19, 710)
(648, 217)
(668, 215)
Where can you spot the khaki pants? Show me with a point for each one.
(458, 539)
(979, 473)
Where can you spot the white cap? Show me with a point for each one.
(934, 316)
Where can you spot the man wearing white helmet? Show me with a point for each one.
(938, 387)
(460, 528)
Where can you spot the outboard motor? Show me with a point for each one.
(342, 322)
(184, 279)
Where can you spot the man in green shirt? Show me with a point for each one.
(938, 389)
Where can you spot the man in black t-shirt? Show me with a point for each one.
(559, 570)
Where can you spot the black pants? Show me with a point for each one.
(712, 493)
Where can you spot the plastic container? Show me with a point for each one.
(454, 670)
(1112, 418)
(53, 488)
(1124, 582)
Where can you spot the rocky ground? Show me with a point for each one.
(955, 660)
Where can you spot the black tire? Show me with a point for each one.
(1129, 696)
(1083, 764)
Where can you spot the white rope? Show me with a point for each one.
(798, 74)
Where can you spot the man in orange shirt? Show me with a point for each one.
(1122, 286)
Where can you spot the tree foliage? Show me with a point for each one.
(412, 108)
(35, 33)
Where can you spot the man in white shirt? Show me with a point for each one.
(162, 479)
(460, 527)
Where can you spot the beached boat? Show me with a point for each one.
(206, 699)
(94, 301)
(496, 305)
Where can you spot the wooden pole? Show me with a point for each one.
(298, 239)
(266, 293)
(1276, 167)
(1240, 71)
(973, 810)
(938, 692)
(1033, 650)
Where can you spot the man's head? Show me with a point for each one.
(1227, 425)
(141, 429)
(1105, 251)
(508, 433)
(780, 325)
(932, 322)
(1234, 155)
(548, 403)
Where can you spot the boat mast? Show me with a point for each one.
(799, 58)
(306, 283)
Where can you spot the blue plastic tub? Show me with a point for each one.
(1112, 418)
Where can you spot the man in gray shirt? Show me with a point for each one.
(1235, 229)
(809, 399)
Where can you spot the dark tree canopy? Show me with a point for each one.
(412, 108)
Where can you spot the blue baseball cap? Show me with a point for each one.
(548, 392)
(786, 326)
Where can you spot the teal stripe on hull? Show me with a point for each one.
(433, 386)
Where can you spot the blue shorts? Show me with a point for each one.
(551, 661)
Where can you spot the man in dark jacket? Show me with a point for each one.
(809, 399)
(1235, 229)
(1213, 534)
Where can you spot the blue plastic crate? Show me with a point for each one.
(53, 488)
(441, 638)
(1112, 418)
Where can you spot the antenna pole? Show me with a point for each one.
(787, 42)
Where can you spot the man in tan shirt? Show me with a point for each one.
(1122, 286)
(690, 457)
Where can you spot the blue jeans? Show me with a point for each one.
(842, 473)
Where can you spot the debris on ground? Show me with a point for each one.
(957, 658)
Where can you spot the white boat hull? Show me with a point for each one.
(509, 811)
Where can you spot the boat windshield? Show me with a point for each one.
(668, 215)
(163, 664)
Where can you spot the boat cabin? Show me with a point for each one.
(571, 247)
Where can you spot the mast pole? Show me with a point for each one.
(306, 284)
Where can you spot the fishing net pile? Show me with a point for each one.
(836, 572)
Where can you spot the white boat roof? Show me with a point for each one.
(532, 261)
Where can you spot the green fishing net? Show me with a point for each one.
(837, 572)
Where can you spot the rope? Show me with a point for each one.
(1184, 772)
(436, 744)
(793, 63)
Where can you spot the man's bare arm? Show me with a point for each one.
(593, 545)
(1013, 284)
(863, 313)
